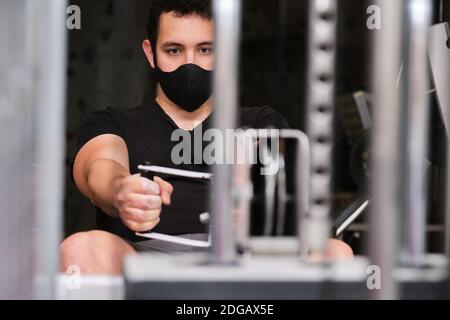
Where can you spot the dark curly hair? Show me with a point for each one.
(180, 7)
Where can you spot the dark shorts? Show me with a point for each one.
(159, 246)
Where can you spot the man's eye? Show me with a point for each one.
(173, 51)
(205, 50)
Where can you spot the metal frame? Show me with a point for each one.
(49, 53)
(32, 91)
(440, 66)
(320, 117)
(389, 124)
(302, 195)
(275, 277)
(227, 15)
(417, 130)
(16, 153)
(32, 102)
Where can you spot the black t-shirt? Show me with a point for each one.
(147, 132)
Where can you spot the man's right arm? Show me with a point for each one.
(101, 172)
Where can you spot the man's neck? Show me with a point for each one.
(184, 119)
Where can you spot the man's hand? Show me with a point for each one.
(139, 201)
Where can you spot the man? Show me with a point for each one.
(112, 143)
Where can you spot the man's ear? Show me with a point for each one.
(146, 46)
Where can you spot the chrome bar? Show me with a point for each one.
(303, 187)
(242, 188)
(227, 15)
(269, 198)
(49, 54)
(440, 66)
(321, 95)
(302, 173)
(418, 115)
(387, 145)
(16, 152)
(282, 197)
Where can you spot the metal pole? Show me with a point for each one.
(321, 94)
(48, 26)
(16, 153)
(302, 189)
(440, 65)
(387, 145)
(227, 15)
(302, 172)
(418, 113)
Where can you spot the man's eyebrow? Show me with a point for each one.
(176, 44)
(206, 43)
(172, 44)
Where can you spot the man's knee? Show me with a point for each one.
(76, 249)
(336, 250)
(339, 249)
(93, 252)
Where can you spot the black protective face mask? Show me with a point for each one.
(188, 87)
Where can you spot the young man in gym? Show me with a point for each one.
(111, 143)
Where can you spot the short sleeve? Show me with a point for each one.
(106, 121)
(269, 117)
(263, 118)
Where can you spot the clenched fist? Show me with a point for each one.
(139, 201)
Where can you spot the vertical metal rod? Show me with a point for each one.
(440, 66)
(16, 153)
(269, 201)
(321, 94)
(243, 188)
(227, 16)
(418, 113)
(49, 53)
(302, 185)
(302, 182)
(387, 145)
(282, 197)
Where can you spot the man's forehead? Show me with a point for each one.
(182, 29)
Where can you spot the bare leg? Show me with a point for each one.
(336, 250)
(94, 252)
